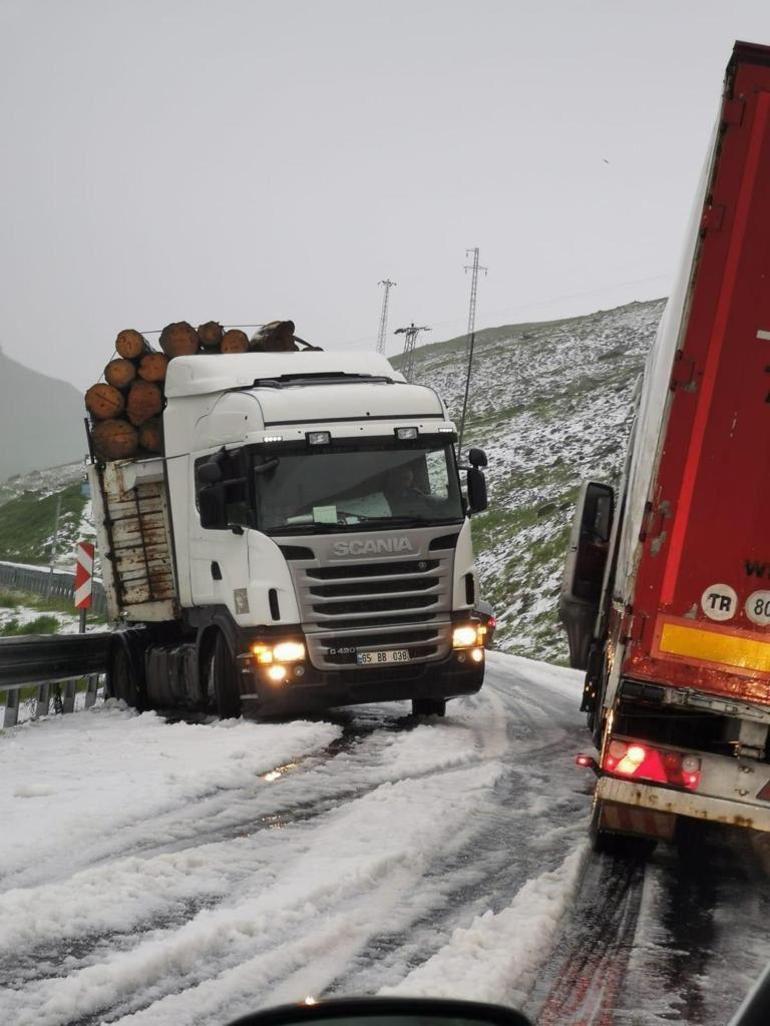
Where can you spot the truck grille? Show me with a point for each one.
(389, 604)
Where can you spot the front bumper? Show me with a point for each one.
(323, 689)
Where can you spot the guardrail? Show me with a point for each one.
(40, 581)
(47, 659)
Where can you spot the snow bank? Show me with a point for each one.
(495, 957)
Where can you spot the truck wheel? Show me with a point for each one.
(224, 696)
(428, 706)
(121, 681)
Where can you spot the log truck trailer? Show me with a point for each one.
(301, 543)
(666, 591)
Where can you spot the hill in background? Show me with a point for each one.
(41, 420)
(549, 403)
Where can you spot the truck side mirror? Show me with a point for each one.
(211, 505)
(210, 472)
(584, 568)
(477, 490)
(477, 457)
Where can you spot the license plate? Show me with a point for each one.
(390, 655)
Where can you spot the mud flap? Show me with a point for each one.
(636, 822)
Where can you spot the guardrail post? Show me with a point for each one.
(68, 700)
(43, 701)
(91, 688)
(11, 709)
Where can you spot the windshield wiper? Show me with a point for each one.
(358, 516)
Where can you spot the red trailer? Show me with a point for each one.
(666, 595)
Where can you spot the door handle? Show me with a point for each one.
(216, 573)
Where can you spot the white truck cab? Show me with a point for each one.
(304, 544)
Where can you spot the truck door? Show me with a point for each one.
(219, 566)
(584, 570)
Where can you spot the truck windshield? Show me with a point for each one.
(347, 488)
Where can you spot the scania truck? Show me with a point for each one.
(666, 592)
(302, 542)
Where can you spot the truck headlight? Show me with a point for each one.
(468, 635)
(283, 652)
(289, 652)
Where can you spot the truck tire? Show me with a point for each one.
(122, 681)
(224, 697)
(428, 706)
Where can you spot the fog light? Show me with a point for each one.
(289, 652)
(318, 437)
(277, 673)
(406, 432)
(477, 655)
(465, 637)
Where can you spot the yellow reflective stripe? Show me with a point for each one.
(729, 649)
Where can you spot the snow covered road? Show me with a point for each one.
(157, 873)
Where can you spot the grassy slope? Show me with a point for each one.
(27, 525)
(550, 404)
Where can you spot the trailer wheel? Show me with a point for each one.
(121, 681)
(428, 706)
(224, 695)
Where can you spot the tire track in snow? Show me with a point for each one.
(517, 840)
(587, 969)
(342, 865)
(42, 959)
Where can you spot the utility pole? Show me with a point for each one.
(54, 543)
(474, 268)
(384, 315)
(410, 337)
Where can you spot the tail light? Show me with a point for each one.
(644, 762)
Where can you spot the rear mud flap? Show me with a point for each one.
(636, 822)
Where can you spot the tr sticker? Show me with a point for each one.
(758, 608)
(719, 602)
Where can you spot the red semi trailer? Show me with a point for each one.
(666, 593)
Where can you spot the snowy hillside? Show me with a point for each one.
(549, 404)
(28, 506)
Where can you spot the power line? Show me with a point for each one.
(384, 315)
(474, 268)
(410, 337)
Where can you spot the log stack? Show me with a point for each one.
(125, 409)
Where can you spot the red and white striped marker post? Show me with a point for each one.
(84, 571)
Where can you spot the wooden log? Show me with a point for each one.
(234, 341)
(150, 436)
(210, 334)
(275, 337)
(179, 339)
(152, 367)
(120, 373)
(114, 439)
(104, 401)
(145, 400)
(130, 344)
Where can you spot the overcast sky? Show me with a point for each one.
(246, 160)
